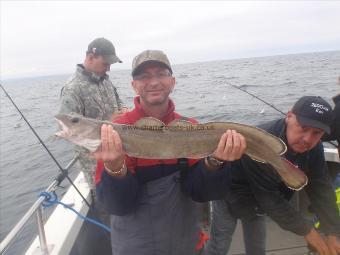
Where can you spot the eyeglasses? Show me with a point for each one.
(149, 76)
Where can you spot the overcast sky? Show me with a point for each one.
(50, 37)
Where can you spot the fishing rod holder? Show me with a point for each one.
(36, 208)
(61, 176)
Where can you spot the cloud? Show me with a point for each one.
(40, 38)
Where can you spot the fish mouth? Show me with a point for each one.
(64, 130)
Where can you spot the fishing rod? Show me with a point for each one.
(63, 171)
(271, 105)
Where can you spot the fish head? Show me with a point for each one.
(79, 130)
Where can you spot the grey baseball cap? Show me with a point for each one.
(105, 48)
(148, 56)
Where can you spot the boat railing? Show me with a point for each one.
(35, 209)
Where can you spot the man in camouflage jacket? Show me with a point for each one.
(89, 92)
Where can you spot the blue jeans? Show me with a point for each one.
(223, 226)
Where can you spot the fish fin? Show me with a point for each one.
(148, 122)
(179, 123)
(296, 173)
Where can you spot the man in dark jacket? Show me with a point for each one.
(335, 134)
(335, 128)
(152, 202)
(257, 189)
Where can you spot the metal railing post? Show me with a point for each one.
(7, 241)
(41, 232)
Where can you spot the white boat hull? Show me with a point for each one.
(63, 226)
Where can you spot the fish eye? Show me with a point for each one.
(75, 120)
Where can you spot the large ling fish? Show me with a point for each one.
(151, 138)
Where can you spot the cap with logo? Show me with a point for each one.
(149, 56)
(313, 111)
(105, 48)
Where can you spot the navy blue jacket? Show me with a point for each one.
(120, 195)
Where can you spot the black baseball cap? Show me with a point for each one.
(105, 48)
(313, 111)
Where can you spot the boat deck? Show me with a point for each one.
(279, 241)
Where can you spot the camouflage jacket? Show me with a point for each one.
(92, 96)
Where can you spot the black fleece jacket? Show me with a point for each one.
(255, 185)
(335, 128)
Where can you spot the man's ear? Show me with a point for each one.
(90, 56)
(173, 84)
(133, 84)
(289, 116)
(92, 60)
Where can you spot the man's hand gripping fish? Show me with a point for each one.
(151, 138)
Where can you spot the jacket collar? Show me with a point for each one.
(90, 75)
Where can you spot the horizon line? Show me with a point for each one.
(122, 69)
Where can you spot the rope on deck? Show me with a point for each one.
(51, 199)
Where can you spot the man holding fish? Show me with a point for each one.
(256, 189)
(150, 200)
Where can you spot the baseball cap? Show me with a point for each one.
(105, 48)
(313, 111)
(148, 56)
